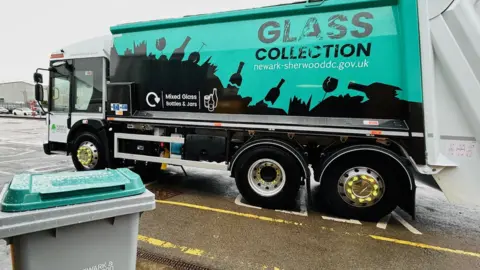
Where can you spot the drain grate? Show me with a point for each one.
(162, 193)
(176, 264)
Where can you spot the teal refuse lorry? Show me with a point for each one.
(361, 96)
(74, 220)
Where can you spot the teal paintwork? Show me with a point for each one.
(232, 37)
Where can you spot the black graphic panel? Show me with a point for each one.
(184, 83)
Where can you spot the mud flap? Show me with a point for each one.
(102, 135)
(408, 204)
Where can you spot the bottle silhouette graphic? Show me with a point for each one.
(357, 86)
(274, 93)
(376, 91)
(179, 53)
(236, 78)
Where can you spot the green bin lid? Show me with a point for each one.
(40, 191)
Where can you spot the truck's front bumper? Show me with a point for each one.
(46, 148)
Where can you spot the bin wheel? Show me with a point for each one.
(88, 153)
(362, 185)
(268, 177)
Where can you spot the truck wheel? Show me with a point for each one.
(88, 153)
(362, 185)
(268, 177)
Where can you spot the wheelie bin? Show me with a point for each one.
(75, 220)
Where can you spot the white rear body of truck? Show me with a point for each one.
(450, 31)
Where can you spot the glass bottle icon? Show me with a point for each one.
(236, 79)
(179, 53)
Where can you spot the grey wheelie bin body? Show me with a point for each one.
(81, 220)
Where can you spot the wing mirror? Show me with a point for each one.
(38, 92)
(37, 77)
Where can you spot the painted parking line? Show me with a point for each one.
(18, 154)
(301, 213)
(229, 212)
(169, 245)
(425, 246)
(6, 173)
(327, 229)
(9, 148)
(382, 224)
(349, 221)
(405, 223)
(27, 141)
(25, 159)
(303, 206)
(238, 201)
(191, 251)
(49, 168)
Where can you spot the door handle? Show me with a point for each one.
(55, 91)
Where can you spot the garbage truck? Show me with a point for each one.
(361, 96)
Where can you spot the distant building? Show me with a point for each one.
(18, 92)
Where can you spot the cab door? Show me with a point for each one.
(76, 93)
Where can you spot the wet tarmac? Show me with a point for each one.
(201, 219)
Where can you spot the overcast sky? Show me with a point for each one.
(31, 30)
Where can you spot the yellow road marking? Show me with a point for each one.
(376, 237)
(168, 245)
(187, 250)
(420, 245)
(223, 211)
(267, 267)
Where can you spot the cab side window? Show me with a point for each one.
(88, 85)
(60, 94)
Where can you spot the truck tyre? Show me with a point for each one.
(362, 185)
(268, 177)
(88, 153)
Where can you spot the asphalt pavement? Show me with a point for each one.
(201, 219)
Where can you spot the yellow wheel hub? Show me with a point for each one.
(361, 187)
(85, 155)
